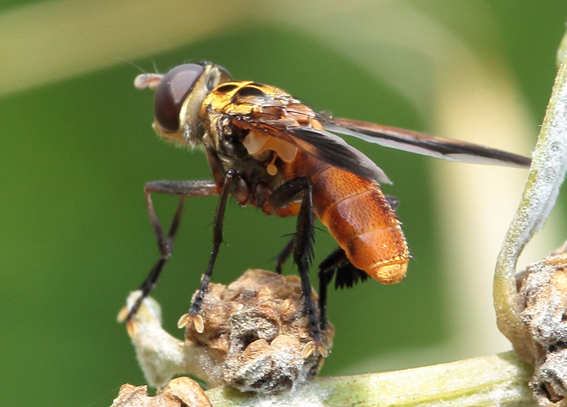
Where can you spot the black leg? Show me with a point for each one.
(346, 276)
(165, 245)
(326, 272)
(303, 256)
(192, 315)
(303, 242)
(165, 242)
(284, 255)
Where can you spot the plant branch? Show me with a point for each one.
(546, 175)
(483, 381)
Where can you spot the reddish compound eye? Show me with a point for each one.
(172, 92)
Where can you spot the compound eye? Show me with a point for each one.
(172, 92)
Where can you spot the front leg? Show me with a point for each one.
(165, 242)
(193, 314)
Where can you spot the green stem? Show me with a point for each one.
(547, 173)
(484, 381)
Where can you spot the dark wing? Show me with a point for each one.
(419, 143)
(326, 146)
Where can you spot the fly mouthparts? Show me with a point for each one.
(147, 80)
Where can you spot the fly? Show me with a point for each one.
(267, 149)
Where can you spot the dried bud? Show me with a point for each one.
(543, 295)
(258, 329)
(180, 392)
(252, 335)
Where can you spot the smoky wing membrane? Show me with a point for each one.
(419, 143)
(334, 150)
(326, 146)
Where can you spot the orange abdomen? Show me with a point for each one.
(358, 216)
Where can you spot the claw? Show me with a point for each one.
(322, 349)
(308, 350)
(314, 348)
(138, 312)
(123, 314)
(183, 321)
(199, 324)
(133, 303)
(197, 320)
(131, 329)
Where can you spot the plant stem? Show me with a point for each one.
(483, 381)
(549, 164)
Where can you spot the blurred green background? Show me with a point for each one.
(77, 147)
